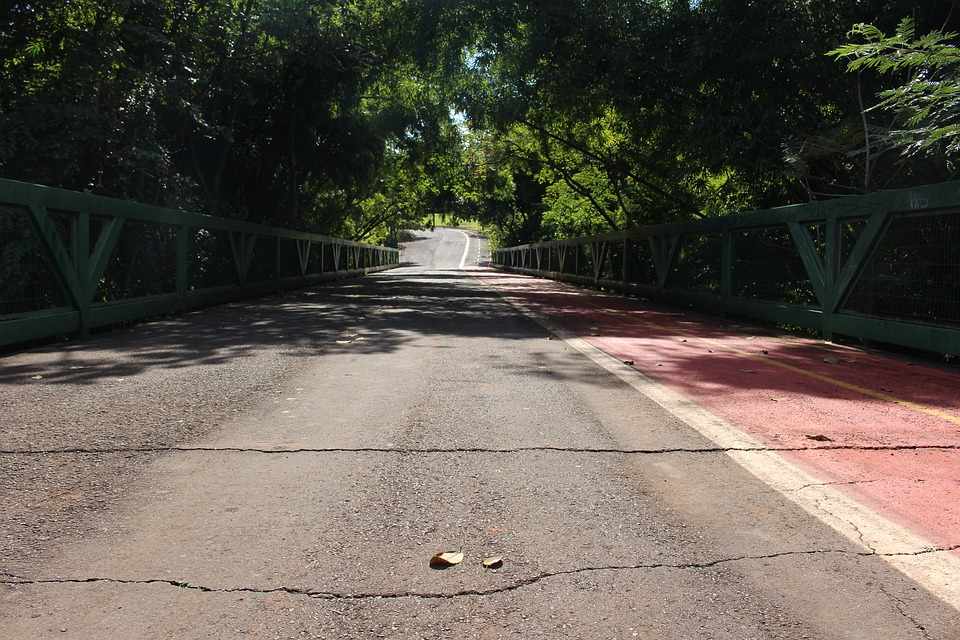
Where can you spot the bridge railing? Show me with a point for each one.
(73, 261)
(882, 267)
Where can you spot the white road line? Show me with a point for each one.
(466, 250)
(937, 571)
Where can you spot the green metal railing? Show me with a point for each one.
(882, 267)
(70, 262)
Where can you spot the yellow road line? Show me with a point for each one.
(879, 395)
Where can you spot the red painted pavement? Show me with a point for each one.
(738, 373)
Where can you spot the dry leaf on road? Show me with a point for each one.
(446, 559)
(493, 562)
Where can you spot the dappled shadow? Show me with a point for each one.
(375, 314)
(389, 310)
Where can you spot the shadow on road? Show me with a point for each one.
(375, 314)
(381, 313)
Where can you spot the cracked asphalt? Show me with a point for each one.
(285, 468)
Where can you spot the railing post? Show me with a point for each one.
(183, 264)
(831, 268)
(82, 260)
(279, 266)
(726, 268)
(626, 263)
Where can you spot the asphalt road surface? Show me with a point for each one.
(286, 468)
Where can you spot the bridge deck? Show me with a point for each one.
(286, 468)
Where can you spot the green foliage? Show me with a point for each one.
(610, 114)
(260, 109)
(538, 120)
(927, 104)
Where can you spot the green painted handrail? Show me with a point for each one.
(79, 267)
(831, 275)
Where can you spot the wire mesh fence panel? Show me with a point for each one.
(143, 263)
(65, 256)
(28, 278)
(584, 262)
(315, 258)
(818, 235)
(329, 257)
(98, 225)
(874, 266)
(913, 272)
(65, 222)
(640, 268)
(263, 264)
(289, 259)
(613, 261)
(698, 263)
(212, 263)
(564, 259)
(768, 266)
(850, 230)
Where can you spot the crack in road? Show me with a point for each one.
(442, 450)
(839, 483)
(900, 606)
(863, 541)
(9, 579)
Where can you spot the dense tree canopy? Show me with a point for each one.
(540, 119)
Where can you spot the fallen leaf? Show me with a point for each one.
(493, 562)
(818, 438)
(446, 559)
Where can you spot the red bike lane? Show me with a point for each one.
(882, 428)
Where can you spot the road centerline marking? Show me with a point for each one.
(466, 250)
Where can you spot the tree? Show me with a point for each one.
(926, 107)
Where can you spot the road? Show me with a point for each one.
(285, 468)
